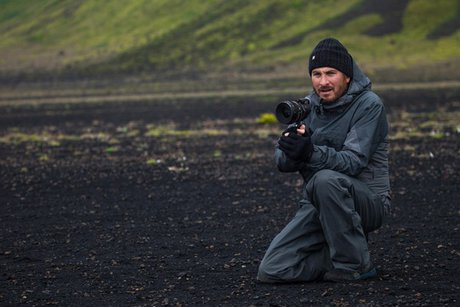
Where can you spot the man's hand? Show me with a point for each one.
(297, 146)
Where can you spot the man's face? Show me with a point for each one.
(329, 83)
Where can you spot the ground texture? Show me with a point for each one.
(174, 203)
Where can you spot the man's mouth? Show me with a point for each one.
(325, 89)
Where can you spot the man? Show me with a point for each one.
(341, 150)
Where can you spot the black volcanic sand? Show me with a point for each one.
(174, 203)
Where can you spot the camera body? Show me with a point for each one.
(293, 111)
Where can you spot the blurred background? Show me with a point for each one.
(229, 45)
(136, 148)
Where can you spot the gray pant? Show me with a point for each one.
(328, 231)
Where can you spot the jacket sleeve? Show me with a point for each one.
(367, 130)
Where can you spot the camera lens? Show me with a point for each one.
(284, 112)
(288, 112)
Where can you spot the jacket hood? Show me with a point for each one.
(358, 84)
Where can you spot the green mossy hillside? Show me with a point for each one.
(142, 35)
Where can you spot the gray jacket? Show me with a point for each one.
(350, 136)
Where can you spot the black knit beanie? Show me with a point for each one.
(331, 53)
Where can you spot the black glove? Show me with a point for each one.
(296, 147)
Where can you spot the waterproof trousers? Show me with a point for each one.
(328, 231)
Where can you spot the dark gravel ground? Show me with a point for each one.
(174, 203)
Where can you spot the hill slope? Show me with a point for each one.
(143, 35)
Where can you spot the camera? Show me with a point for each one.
(292, 111)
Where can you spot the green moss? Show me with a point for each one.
(165, 34)
(438, 124)
(217, 153)
(152, 161)
(112, 149)
(266, 118)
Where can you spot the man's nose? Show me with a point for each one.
(324, 80)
